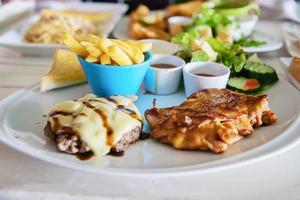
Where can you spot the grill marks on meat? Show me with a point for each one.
(210, 120)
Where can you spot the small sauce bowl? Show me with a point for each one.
(177, 23)
(210, 75)
(164, 80)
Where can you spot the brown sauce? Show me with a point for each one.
(205, 74)
(60, 113)
(84, 156)
(144, 136)
(113, 152)
(163, 66)
(111, 100)
(109, 139)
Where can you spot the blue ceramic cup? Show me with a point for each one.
(106, 80)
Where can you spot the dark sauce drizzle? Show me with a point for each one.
(114, 152)
(87, 155)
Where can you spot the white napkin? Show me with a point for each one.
(291, 10)
(286, 9)
(291, 35)
(13, 12)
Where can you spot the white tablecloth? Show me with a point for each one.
(26, 178)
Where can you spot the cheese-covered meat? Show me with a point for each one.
(94, 125)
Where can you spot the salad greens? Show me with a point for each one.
(201, 42)
(209, 17)
(231, 55)
(248, 42)
(199, 56)
(235, 8)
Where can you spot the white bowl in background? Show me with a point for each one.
(247, 24)
(177, 23)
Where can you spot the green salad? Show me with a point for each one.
(203, 41)
(212, 23)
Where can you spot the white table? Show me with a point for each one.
(26, 178)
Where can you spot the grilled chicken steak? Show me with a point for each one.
(210, 120)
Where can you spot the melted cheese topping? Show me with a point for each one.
(99, 122)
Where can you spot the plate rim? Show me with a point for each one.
(230, 162)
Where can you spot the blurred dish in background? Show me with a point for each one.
(13, 39)
(143, 24)
(53, 24)
(185, 9)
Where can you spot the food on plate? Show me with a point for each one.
(108, 51)
(244, 85)
(210, 120)
(237, 8)
(144, 25)
(185, 9)
(194, 48)
(232, 29)
(262, 72)
(65, 71)
(53, 24)
(294, 68)
(94, 126)
(177, 24)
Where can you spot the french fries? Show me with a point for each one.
(108, 51)
(75, 46)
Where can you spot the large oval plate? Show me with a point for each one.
(22, 120)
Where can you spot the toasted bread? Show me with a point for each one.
(65, 71)
(294, 68)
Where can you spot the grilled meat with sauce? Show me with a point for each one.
(210, 120)
(94, 126)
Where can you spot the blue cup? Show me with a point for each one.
(106, 80)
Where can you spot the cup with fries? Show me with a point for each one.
(112, 67)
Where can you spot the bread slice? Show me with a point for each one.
(294, 68)
(66, 71)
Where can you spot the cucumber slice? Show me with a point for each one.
(262, 72)
(244, 85)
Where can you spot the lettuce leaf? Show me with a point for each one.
(199, 56)
(185, 39)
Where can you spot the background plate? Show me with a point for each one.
(13, 39)
(22, 122)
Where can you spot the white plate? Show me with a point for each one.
(286, 61)
(162, 46)
(272, 42)
(13, 39)
(22, 122)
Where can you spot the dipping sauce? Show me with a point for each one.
(163, 66)
(205, 74)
